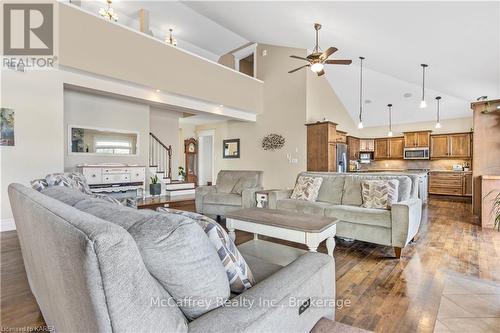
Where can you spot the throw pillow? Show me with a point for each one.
(238, 272)
(244, 183)
(307, 188)
(379, 193)
(69, 179)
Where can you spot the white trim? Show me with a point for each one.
(209, 132)
(243, 53)
(159, 41)
(7, 224)
(137, 153)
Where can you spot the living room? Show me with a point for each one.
(340, 173)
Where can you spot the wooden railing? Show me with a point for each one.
(160, 156)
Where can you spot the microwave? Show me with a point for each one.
(416, 153)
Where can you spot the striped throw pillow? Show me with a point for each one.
(380, 194)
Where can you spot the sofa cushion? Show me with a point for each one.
(302, 206)
(360, 215)
(307, 188)
(380, 194)
(331, 189)
(229, 199)
(261, 269)
(65, 194)
(352, 188)
(238, 272)
(244, 183)
(176, 252)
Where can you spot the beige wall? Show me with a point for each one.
(165, 125)
(89, 43)
(87, 110)
(322, 102)
(447, 126)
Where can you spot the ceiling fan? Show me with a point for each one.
(318, 59)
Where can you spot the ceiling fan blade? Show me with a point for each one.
(300, 58)
(322, 72)
(296, 69)
(338, 62)
(331, 50)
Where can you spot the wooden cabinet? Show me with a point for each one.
(417, 139)
(389, 148)
(450, 183)
(451, 145)
(366, 145)
(396, 147)
(341, 137)
(353, 145)
(321, 146)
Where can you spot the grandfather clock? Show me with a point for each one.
(191, 151)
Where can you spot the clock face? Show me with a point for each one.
(191, 148)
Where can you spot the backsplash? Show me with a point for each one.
(413, 164)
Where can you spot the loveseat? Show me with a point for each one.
(340, 196)
(96, 266)
(234, 189)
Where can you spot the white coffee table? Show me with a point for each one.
(295, 227)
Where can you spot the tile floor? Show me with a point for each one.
(468, 304)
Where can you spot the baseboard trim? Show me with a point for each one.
(7, 224)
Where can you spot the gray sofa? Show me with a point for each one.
(89, 265)
(234, 189)
(340, 197)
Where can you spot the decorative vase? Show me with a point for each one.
(180, 178)
(155, 189)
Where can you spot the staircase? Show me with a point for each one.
(160, 160)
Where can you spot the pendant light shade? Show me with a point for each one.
(438, 122)
(390, 119)
(423, 104)
(360, 124)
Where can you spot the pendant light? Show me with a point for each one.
(170, 39)
(423, 104)
(390, 119)
(360, 125)
(438, 123)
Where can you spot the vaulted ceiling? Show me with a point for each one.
(459, 40)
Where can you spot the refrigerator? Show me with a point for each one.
(341, 157)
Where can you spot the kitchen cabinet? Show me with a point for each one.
(353, 144)
(321, 146)
(451, 145)
(419, 139)
(450, 183)
(341, 136)
(366, 145)
(389, 148)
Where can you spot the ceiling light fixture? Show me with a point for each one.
(317, 67)
(390, 119)
(360, 124)
(157, 90)
(423, 104)
(108, 13)
(438, 123)
(170, 39)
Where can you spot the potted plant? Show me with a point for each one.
(182, 174)
(154, 186)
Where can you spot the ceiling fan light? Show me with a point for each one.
(317, 67)
(390, 133)
(360, 125)
(423, 104)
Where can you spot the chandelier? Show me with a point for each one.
(170, 39)
(108, 13)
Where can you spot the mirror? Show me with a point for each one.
(102, 141)
(231, 148)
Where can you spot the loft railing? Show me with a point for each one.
(160, 156)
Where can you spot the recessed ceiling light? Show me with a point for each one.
(407, 95)
(368, 101)
(157, 90)
(221, 106)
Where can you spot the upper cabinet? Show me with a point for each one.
(451, 145)
(417, 139)
(353, 147)
(389, 148)
(366, 145)
(341, 136)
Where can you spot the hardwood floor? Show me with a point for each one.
(385, 294)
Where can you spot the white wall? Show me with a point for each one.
(88, 110)
(205, 159)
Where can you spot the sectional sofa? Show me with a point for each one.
(96, 266)
(340, 197)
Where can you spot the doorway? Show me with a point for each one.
(206, 157)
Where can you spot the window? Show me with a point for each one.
(118, 147)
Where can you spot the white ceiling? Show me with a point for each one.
(459, 40)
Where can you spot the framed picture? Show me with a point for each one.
(231, 148)
(6, 127)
